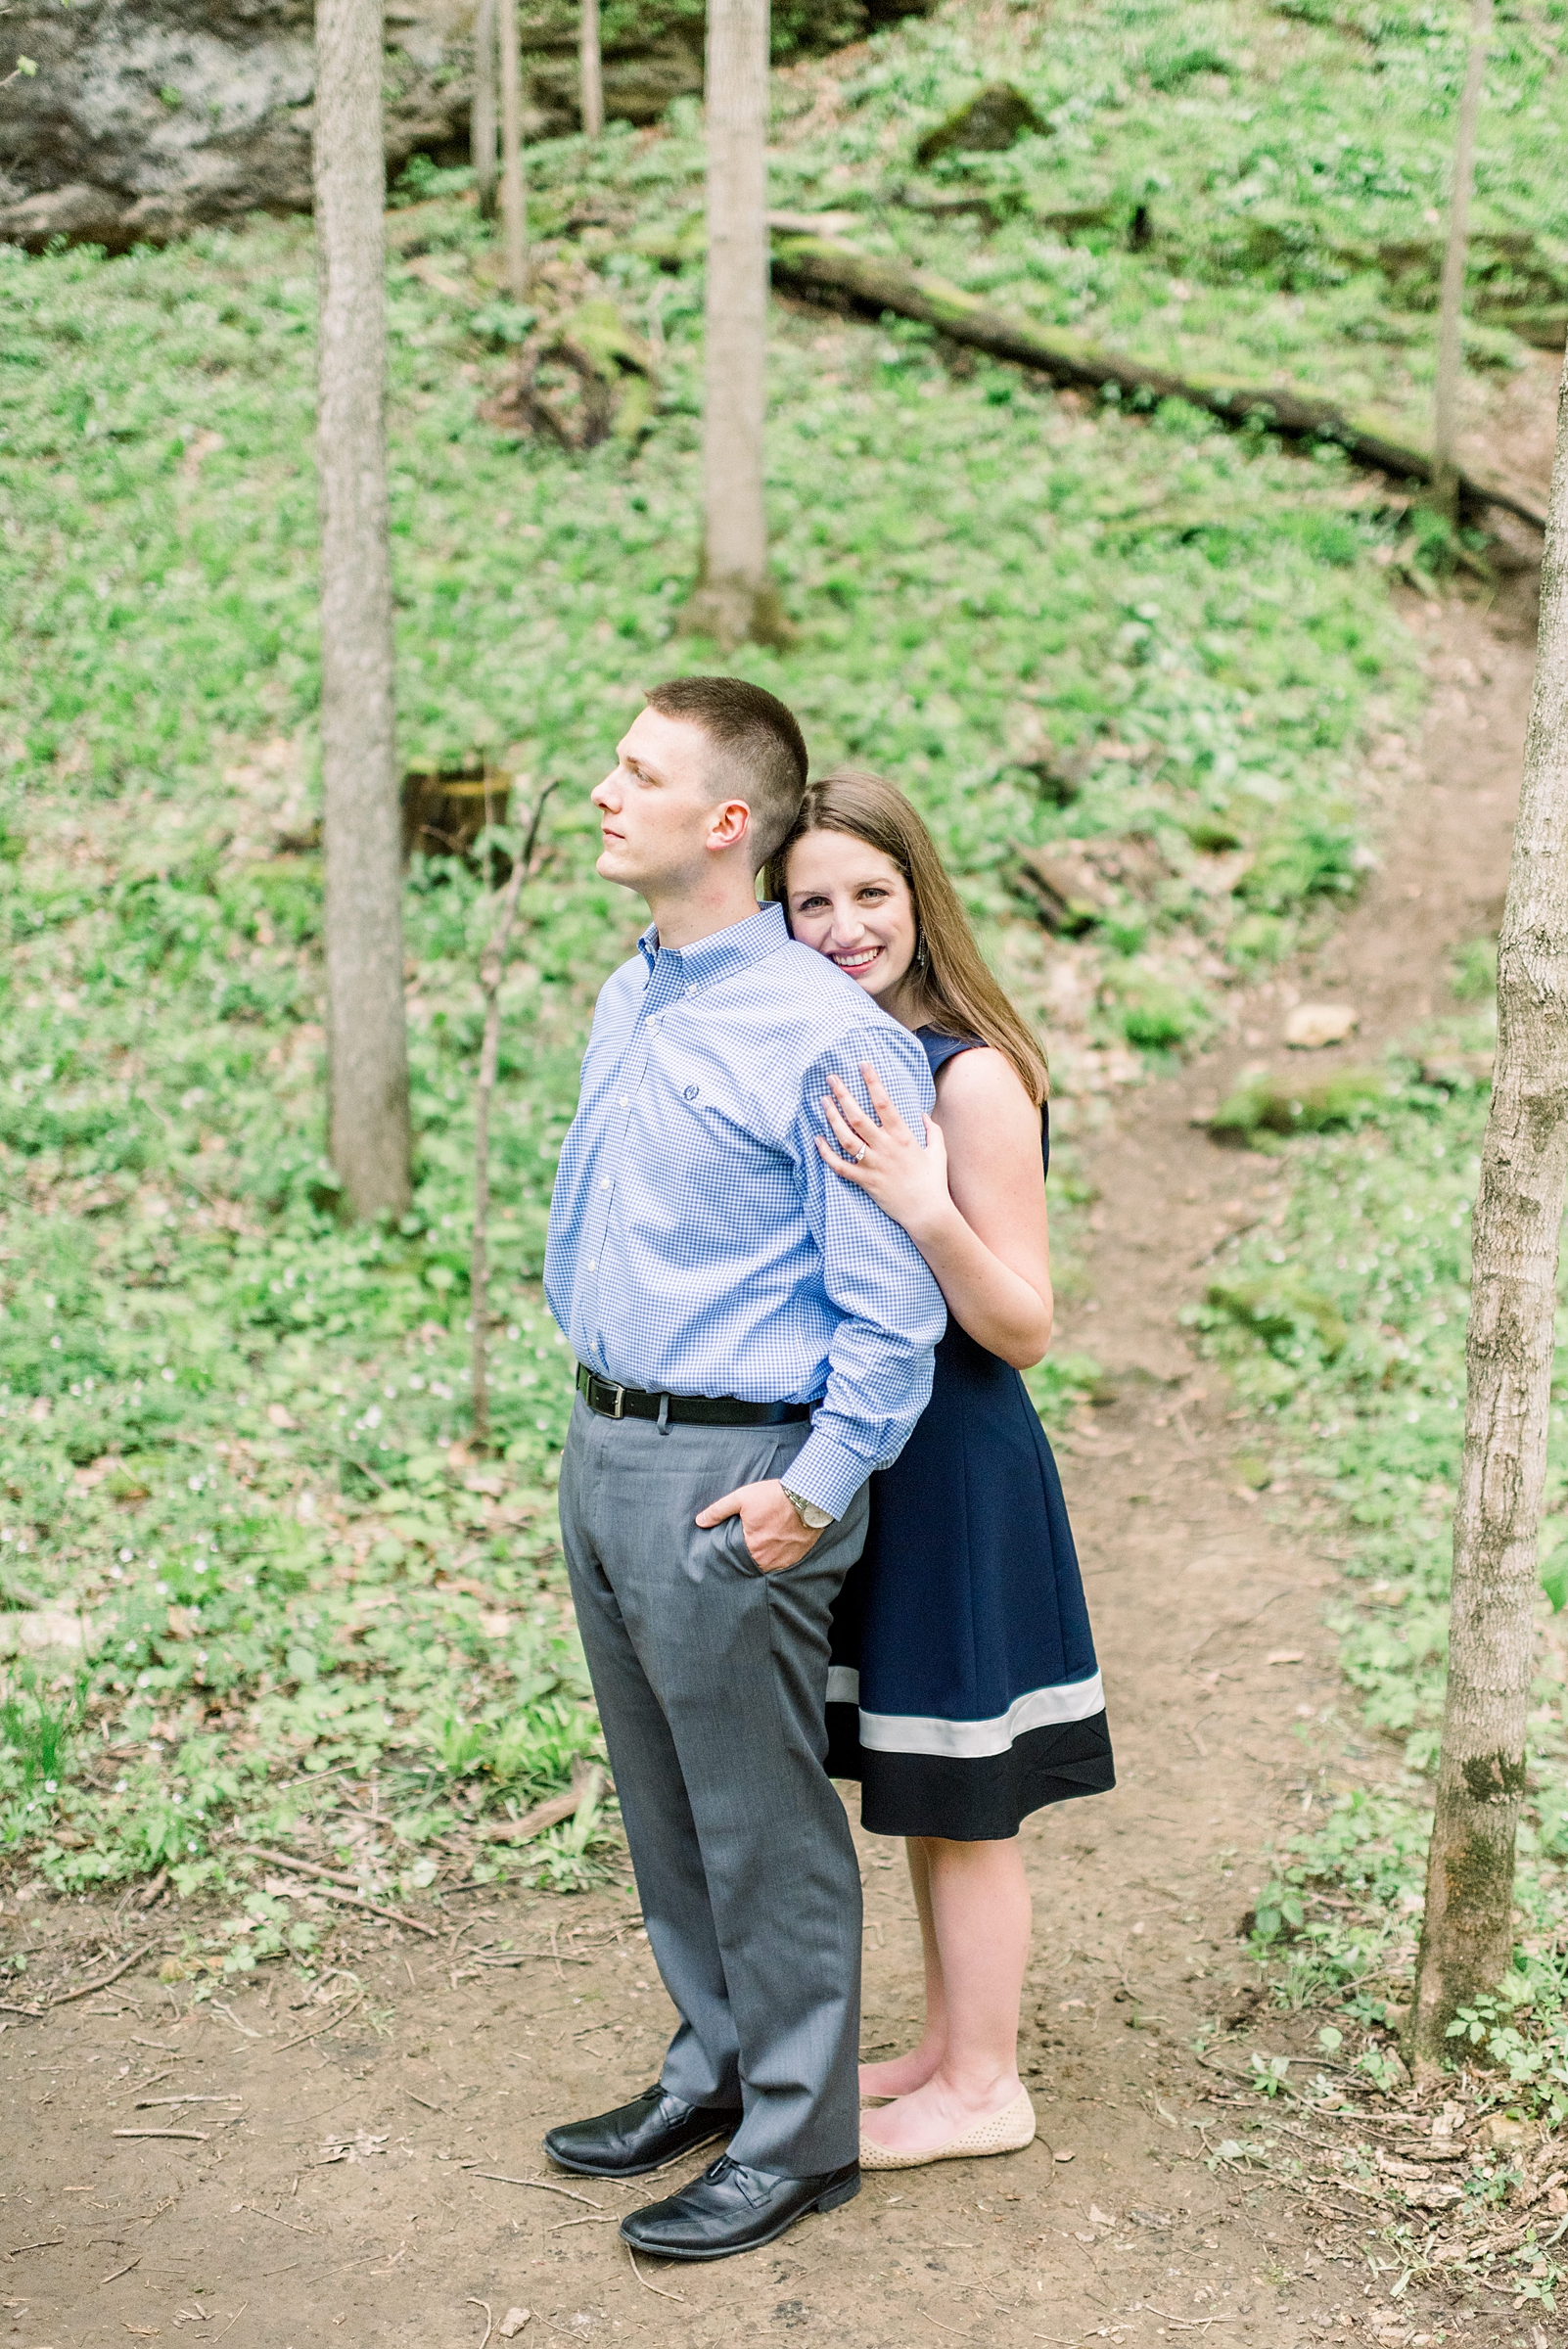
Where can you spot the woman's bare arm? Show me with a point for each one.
(973, 1201)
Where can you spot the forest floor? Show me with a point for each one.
(369, 2170)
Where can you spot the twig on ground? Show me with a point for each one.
(83, 1990)
(1189, 2324)
(335, 1891)
(125, 2269)
(146, 2104)
(1238, 1626)
(53, 2244)
(341, 2017)
(230, 2017)
(1224, 1241)
(279, 2216)
(235, 2319)
(544, 2186)
(199, 2136)
(643, 2281)
(593, 2218)
(581, 1797)
(489, 2321)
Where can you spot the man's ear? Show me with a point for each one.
(727, 826)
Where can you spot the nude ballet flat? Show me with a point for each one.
(1006, 2132)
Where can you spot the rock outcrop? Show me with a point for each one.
(147, 119)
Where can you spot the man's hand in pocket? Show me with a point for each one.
(774, 1534)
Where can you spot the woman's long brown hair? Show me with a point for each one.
(959, 994)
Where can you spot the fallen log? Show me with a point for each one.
(816, 265)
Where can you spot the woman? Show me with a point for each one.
(964, 1693)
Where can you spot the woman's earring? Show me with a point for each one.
(922, 960)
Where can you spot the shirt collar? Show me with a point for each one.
(709, 959)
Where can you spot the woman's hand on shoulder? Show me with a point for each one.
(880, 1156)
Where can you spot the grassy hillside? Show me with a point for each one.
(232, 1429)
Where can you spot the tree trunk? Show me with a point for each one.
(367, 1043)
(870, 283)
(492, 970)
(482, 128)
(592, 71)
(735, 599)
(1445, 417)
(1467, 1939)
(514, 203)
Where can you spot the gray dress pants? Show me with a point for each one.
(712, 1683)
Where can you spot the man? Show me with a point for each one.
(753, 1340)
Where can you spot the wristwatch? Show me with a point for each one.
(808, 1512)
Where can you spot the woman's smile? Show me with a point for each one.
(852, 905)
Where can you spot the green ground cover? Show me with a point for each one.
(1344, 1325)
(233, 1430)
(1223, 187)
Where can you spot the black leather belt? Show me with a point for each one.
(610, 1401)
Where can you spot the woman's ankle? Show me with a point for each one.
(980, 2087)
(899, 2075)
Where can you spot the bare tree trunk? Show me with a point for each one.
(1446, 417)
(367, 1042)
(492, 970)
(482, 128)
(735, 598)
(1468, 1938)
(592, 69)
(514, 203)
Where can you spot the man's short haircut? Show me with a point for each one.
(764, 756)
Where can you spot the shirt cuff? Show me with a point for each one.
(827, 1473)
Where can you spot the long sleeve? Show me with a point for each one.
(890, 1310)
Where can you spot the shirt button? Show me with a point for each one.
(592, 1266)
(605, 1185)
(626, 1100)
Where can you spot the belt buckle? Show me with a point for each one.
(621, 1402)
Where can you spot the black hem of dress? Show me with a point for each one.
(973, 1799)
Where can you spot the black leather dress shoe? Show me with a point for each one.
(730, 2208)
(642, 2135)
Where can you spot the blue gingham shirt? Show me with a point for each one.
(698, 1245)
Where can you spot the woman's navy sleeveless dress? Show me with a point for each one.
(964, 1692)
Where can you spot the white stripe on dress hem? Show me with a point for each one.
(966, 1741)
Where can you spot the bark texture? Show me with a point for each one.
(1467, 1939)
(514, 201)
(735, 599)
(590, 71)
(369, 1134)
(1445, 411)
(492, 970)
(483, 121)
(827, 266)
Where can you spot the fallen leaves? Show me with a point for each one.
(358, 2147)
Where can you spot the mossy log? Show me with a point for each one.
(825, 266)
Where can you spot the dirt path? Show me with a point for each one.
(341, 2197)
